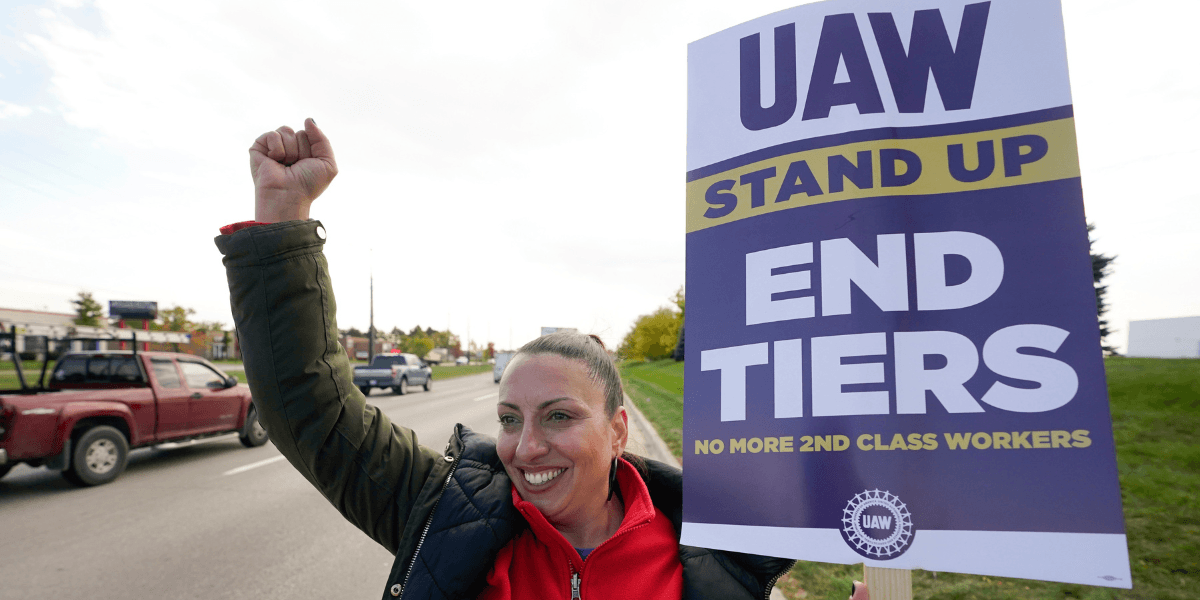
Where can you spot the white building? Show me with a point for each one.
(43, 323)
(1165, 338)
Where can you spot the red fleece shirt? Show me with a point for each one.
(640, 560)
(236, 227)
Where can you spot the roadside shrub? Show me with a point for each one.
(653, 336)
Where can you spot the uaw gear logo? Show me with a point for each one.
(877, 525)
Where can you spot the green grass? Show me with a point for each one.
(1156, 424)
(452, 371)
(31, 369)
(656, 388)
(28, 366)
(8, 380)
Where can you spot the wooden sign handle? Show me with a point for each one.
(888, 584)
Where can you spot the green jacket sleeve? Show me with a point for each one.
(371, 470)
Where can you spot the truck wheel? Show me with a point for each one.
(401, 389)
(365, 389)
(253, 434)
(428, 383)
(99, 457)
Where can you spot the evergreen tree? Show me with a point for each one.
(1101, 268)
(87, 310)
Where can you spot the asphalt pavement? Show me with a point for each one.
(213, 519)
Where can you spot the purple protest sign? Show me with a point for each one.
(893, 355)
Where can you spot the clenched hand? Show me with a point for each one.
(290, 169)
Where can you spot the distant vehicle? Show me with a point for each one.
(462, 360)
(396, 371)
(502, 359)
(96, 406)
(438, 356)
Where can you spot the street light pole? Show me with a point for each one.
(371, 331)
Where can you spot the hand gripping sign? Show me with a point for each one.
(893, 355)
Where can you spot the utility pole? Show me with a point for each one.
(371, 331)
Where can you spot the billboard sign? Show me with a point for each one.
(132, 309)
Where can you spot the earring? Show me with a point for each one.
(612, 478)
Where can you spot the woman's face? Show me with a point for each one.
(556, 442)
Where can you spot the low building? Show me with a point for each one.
(30, 325)
(34, 328)
(1165, 338)
(358, 348)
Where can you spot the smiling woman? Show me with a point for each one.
(549, 510)
(560, 445)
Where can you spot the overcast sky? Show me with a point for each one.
(503, 166)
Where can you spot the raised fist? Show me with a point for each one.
(290, 169)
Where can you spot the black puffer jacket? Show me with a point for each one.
(444, 516)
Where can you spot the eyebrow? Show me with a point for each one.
(540, 406)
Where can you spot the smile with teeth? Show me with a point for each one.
(543, 477)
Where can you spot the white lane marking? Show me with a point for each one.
(255, 465)
(482, 398)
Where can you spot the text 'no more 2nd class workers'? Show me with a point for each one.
(981, 440)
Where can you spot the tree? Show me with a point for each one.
(210, 326)
(419, 345)
(653, 336)
(87, 310)
(1101, 268)
(175, 319)
(679, 301)
(441, 339)
(354, 332)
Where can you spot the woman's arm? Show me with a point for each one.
(298, 372)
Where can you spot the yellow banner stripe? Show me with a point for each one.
(1061, 161)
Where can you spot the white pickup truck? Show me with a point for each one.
(396, 371)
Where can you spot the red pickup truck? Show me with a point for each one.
(95, 406)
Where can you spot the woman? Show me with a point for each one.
(550, 509)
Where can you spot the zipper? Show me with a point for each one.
(574, 585)
(575, 580)
(771, 584)
(428, 523)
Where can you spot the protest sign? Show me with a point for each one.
(893, 354)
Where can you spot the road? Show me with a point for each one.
(210, 519)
